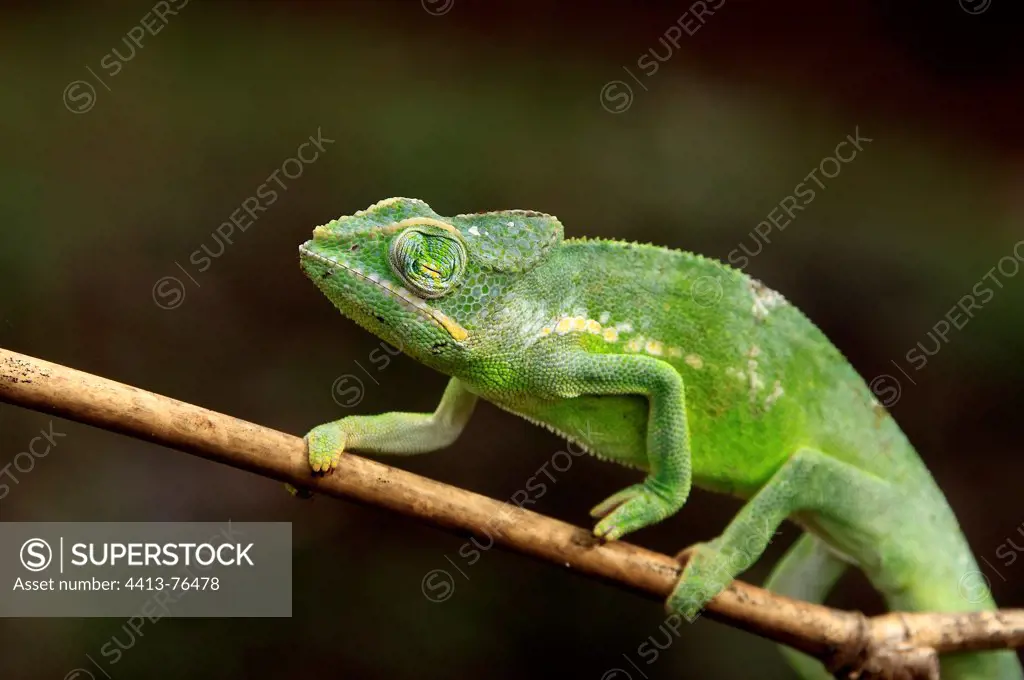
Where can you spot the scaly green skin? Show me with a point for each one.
(663, 361)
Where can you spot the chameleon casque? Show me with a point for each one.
(664, 361)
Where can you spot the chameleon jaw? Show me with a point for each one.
(403, 296)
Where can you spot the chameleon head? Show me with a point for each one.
(420, 281)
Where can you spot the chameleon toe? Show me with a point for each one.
(608, 532)
(615, 501)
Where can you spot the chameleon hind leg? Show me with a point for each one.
(807, 572)
(393, 433)
(808, 481)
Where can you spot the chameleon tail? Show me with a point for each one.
(806, 572)
(966, 592)
(809, 570)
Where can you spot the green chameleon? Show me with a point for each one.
(695, 373)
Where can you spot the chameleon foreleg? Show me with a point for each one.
(668, 481)
(806, 572)
(393, 433)
(808, 481)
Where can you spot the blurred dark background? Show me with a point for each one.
(113, 183)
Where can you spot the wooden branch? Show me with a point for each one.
(897, 645)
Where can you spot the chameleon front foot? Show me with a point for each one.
(632, 508)
(325, 444)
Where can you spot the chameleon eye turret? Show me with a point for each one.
(431, 264)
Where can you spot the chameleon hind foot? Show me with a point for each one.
(802, 483)
(325, 445)
(708, 572)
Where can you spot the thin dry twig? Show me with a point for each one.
(896, 645)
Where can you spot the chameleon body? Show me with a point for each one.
(667, 362)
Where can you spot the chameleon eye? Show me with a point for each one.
(430, 264)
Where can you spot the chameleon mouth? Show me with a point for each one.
(404, 297)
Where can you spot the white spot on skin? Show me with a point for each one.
(765, 299)
(531, 317)
(777, 392)
(694, 361)
(756, 384)
(675, 352)
(511, 224)
(654, 347)
(610, 335)
(624, 327)
(603, 319)
(736, 373)
(474, 231)
(636, 344)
